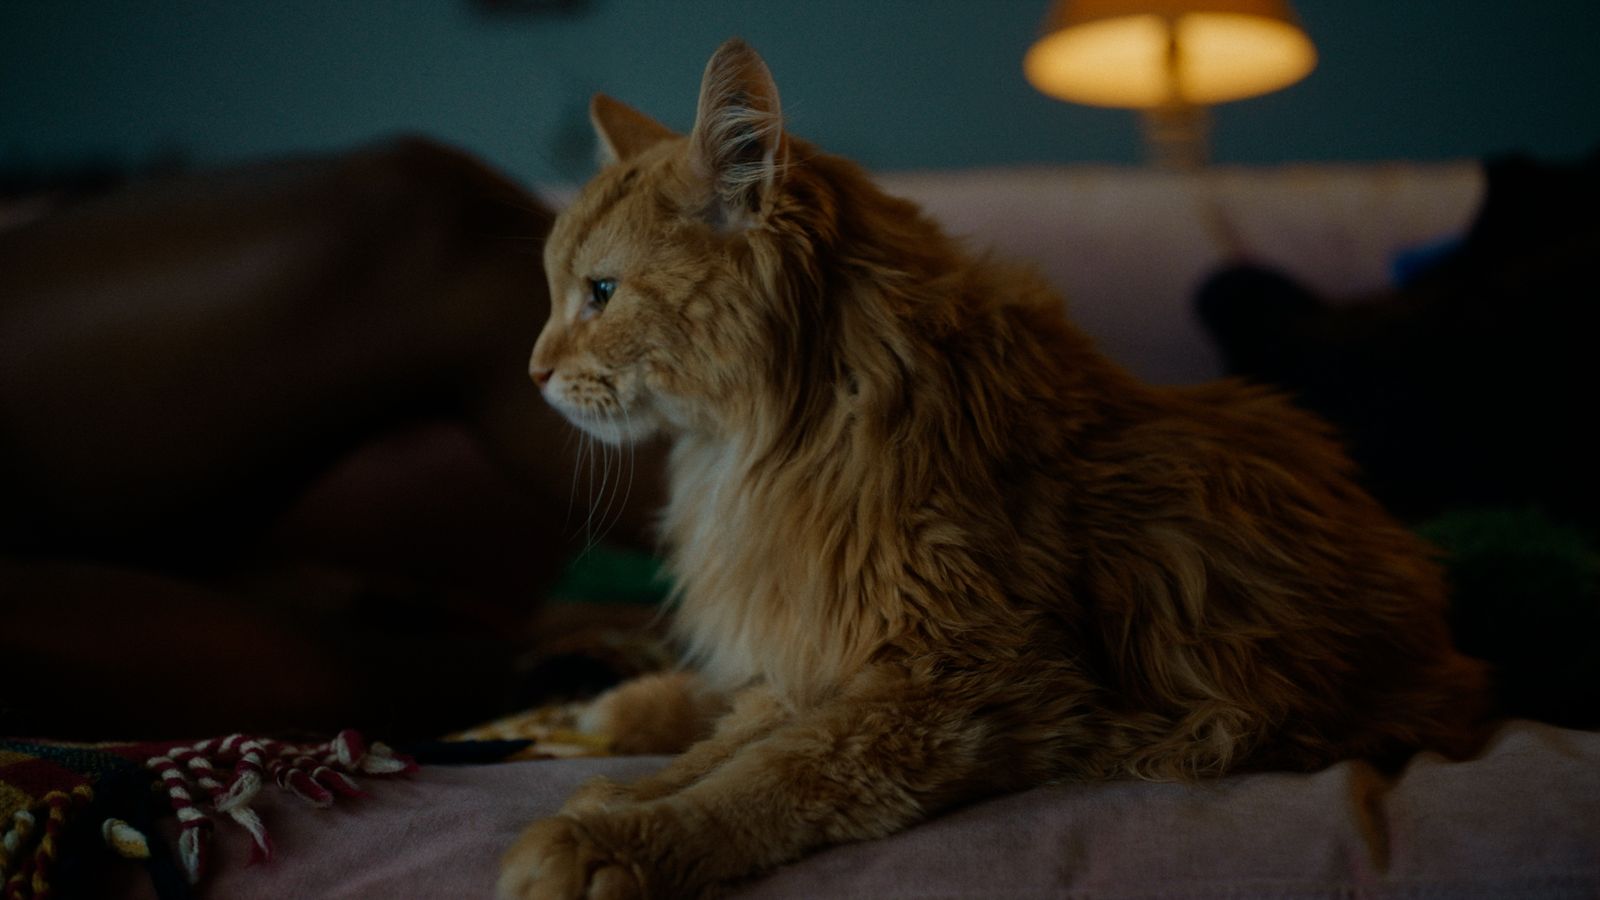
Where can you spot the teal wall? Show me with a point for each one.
(895, 84)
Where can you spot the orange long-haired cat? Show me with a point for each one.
(929, 544)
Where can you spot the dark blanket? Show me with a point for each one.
(64, 807)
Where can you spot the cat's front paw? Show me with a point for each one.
(559, 859)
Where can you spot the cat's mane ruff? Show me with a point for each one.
(861, 381)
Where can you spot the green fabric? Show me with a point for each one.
(1526, 598)
(608, 574)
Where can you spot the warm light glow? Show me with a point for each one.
(1122, 61)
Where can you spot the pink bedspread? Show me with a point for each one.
(1522, 820)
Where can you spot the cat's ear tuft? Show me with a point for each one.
(738, 142)
(624, 132)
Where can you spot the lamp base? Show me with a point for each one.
(1177, 136)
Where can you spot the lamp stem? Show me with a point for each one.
(1176, 136)
(1177, 133)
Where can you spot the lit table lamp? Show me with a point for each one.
(1169, 58)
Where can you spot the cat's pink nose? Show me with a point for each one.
(541, 377)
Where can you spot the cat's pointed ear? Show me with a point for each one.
(738, 142)
(624, 132)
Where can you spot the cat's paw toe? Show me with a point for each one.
(614, 882)
(557, 859)
(599, 794)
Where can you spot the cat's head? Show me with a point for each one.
(662, 276)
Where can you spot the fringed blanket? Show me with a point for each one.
(61, 803)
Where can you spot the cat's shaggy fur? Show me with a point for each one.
(928, 541)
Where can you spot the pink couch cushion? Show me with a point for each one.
(1522, 820)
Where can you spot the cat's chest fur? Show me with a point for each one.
(769, 576)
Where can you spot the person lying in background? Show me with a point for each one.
(270, 455)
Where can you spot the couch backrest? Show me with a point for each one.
(1128, 246)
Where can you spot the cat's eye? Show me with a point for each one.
(600, 291)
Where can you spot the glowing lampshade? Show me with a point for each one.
(1151, 53)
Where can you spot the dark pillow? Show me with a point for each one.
(1469, 385)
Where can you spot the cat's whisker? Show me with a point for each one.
(587, 474)
(619, 493)
(597, 447)
(617, 500)
(600, 514)
(590, 529)
(602, 505)
(583, 467)
(633, 459)
(577, 462)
